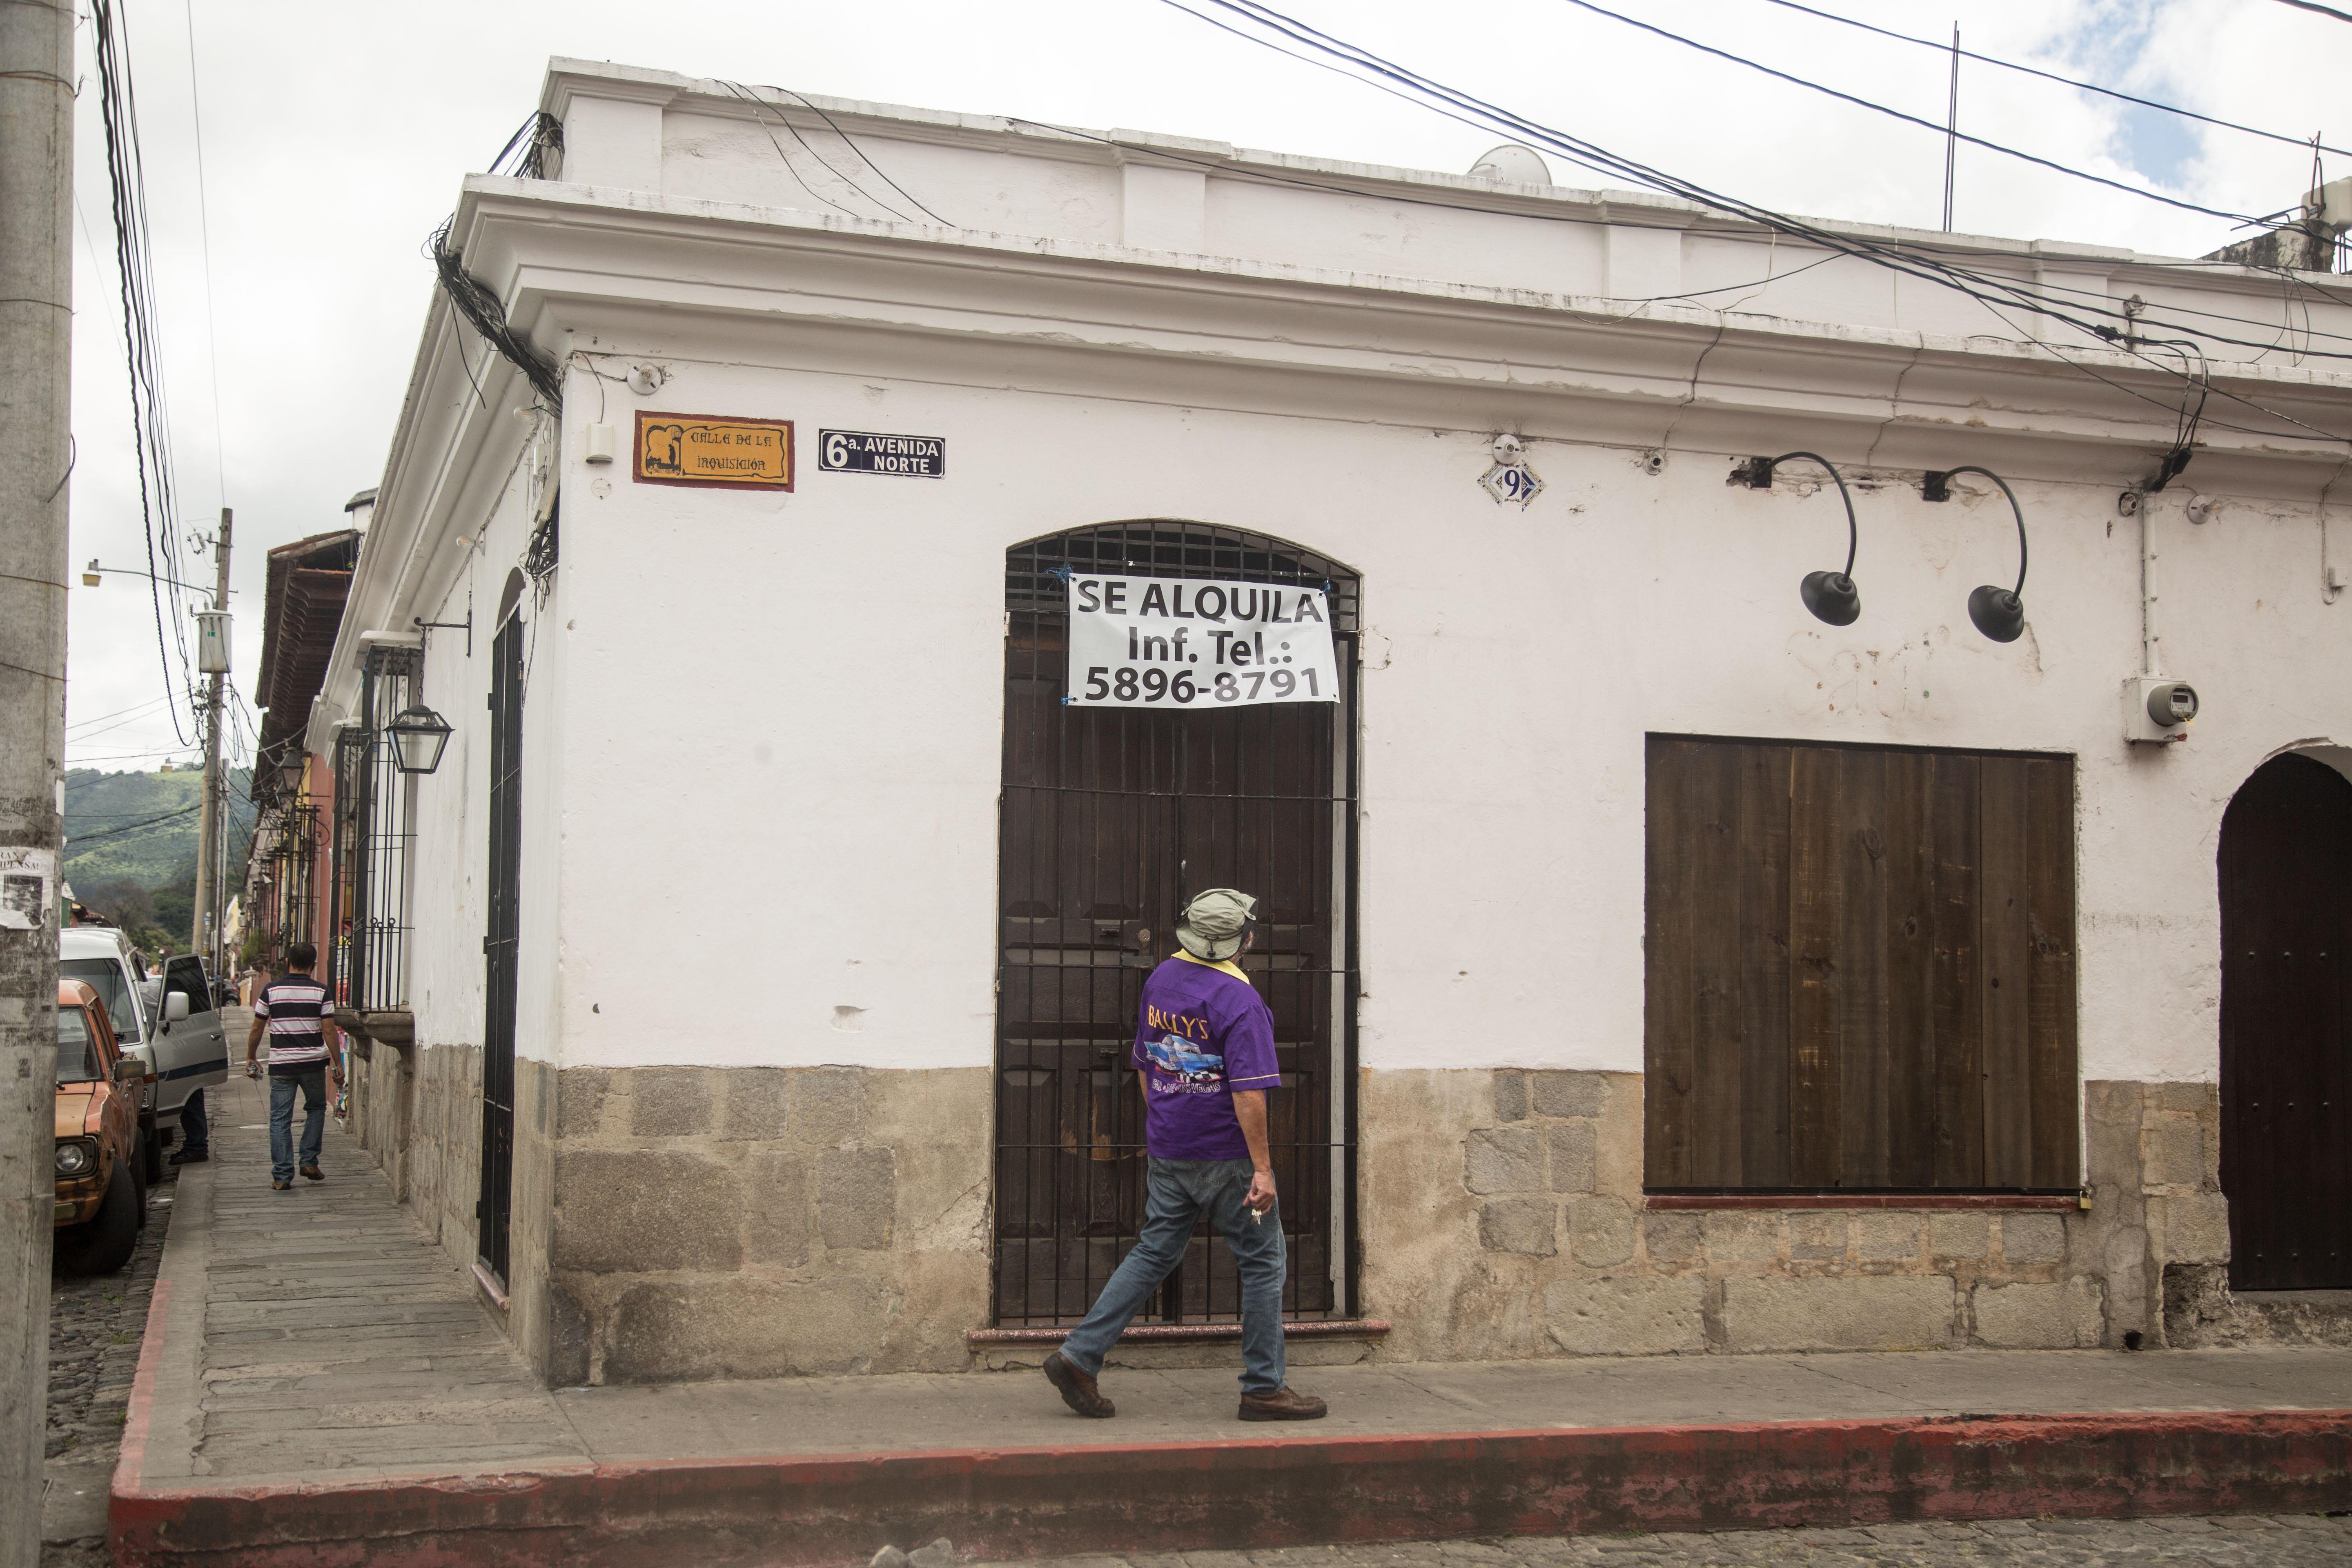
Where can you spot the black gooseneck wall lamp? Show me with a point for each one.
(1998, 613)
(1830, 595)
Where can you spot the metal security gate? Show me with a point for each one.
(498, 944)
(1111, 819)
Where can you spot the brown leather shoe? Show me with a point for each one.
(1078, 1390)
(313, 1173)
(1285, 1403)
(278, 1186)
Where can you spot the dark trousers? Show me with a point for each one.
(196, 1132)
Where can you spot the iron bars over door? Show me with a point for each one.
(499, 944)
(1111, 819)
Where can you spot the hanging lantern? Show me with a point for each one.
(418, 736)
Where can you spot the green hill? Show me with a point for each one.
(126, 831)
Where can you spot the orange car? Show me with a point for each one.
(101, 1194)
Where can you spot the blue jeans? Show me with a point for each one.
(1176, 1193)
(196, 1137)
(312, 1081)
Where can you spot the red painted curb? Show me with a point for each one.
(806, 1511)
(826, 1509)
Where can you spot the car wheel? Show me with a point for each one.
(106, 1242)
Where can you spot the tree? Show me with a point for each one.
(122, 900)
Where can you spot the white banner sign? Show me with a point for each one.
(1181, 642)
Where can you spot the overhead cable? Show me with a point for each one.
(881, 173)
(487, 314)
(151, 442)
(2242, 219)
(204, 229)
(2323, 10)
(1941, 48)
(1993, 292)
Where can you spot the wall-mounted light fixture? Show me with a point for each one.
(1998, 613)
(418, 735)
(1830, 595)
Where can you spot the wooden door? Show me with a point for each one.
(1111, 819)
(2286, 1028)
(501, 943)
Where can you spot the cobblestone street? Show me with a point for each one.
(95, 1325)
(2254, 1542)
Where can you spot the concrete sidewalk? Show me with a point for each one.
(318, 1374)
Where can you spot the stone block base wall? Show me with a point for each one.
(418, 1113)
(755, 1222)
(1503, 1217)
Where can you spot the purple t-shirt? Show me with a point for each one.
(1201, 1034)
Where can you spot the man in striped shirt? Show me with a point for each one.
(292, 1008)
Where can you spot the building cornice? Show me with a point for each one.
(995, 133)
(1086, 317)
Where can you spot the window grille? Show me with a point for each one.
(383, 835)
(1110, 820)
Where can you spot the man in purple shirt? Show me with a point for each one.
(1204, 1058)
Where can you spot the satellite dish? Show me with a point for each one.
(1512, 164)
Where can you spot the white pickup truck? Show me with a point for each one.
(169, 1020)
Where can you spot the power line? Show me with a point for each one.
(119, 712)
(1908, 259)
(2323, 10)
(205, 223)
(151, 442)
(2304, 141)
(2242, 219)
(134, 827)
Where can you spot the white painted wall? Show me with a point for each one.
(763, 732)
(450, 874)
(810, 687)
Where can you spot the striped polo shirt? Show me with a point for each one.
(294, 1005)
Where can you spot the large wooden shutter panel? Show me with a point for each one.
(1860, 968)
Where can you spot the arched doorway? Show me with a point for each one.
(1110, 819)
(2286, 1028)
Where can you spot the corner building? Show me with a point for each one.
(1657, 968)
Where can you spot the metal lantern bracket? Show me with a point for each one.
(1831, 595)
(1998, 613)
(466, 626)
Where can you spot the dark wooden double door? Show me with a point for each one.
(2286, 1028)
(1111, 819)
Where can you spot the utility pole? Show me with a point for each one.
(1952, 130)
(37, 64)
(213, 656)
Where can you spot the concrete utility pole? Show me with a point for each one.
(204, 934)
(36, 348)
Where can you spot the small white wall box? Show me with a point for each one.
(599, 443)
(2158, 709)
(212, 642)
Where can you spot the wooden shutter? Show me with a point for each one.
(1860, 969)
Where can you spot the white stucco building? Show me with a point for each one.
(1659, 968)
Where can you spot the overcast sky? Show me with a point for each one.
(334, 137)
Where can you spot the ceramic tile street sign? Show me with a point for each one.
(712, 452)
